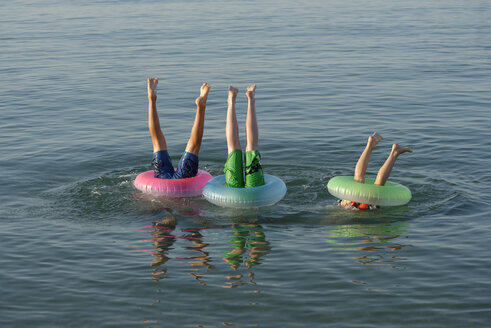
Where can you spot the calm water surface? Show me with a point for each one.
(82, 248)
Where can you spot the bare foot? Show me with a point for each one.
(251, 91)
(152, 86)
(374, 139)
(396, 149)
(232, 94)
(201, 100)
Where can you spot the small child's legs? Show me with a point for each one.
(234, 170)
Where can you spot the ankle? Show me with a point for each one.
(201, 102)
(369, 148)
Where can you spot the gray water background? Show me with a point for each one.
(80, 247)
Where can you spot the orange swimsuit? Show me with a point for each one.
(360, 206)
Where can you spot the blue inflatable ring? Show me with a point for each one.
(268, 194)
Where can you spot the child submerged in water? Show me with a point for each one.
(188, 165)
(234, 176)
(383, 173)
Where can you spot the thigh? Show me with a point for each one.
(234, 176)
(254, 176)
(162, 165)
(187, 167)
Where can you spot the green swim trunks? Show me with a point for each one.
(254, 176)
(234, 176)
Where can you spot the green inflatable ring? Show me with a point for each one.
(391, 194)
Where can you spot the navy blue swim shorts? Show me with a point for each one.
(163, 169)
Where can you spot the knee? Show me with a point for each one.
(193, 149)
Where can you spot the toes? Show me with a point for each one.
(204, 89)
(152, 82)
(406, 150)
(400, 149)
(377, 136)
(251, 88)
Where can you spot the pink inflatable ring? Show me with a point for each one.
(189, 187)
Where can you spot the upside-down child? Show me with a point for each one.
(383, 173)
(161, 162)
(234, 169)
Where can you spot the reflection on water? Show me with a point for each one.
(373, 243)
(247, 242)
(203, 258)
(249, 246)
(163, 239)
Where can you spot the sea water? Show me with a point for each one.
(81, 247)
